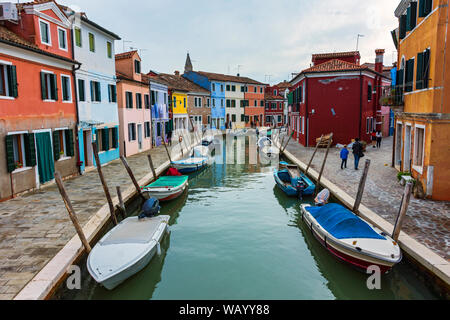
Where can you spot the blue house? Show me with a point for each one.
(215, 83)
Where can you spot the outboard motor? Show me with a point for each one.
(301, 186)
(150, 208)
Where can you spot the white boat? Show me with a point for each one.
(350, 238)
(202, 152)
(190, 165)
(126, 250)
(264, 142)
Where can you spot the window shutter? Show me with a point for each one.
(114, 93)
(99, 92)
(409, 75)
(56, 145)
(69, 143)
(408, 19)
(419, 75)
(105, 139)
(422, 8)
(109, 93)
(92, 90)
(402, 29)
(30, 150)
(12, 81)
(413, 19)
(426, 68)
(11, 166)
(114, 138)
(43, 87)
(428, 6)
(54, 87)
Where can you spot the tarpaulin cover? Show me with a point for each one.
(341, 223)
(168, 182)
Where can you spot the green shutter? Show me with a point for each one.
(92, 90)
(402, 29)
(30, 150)
(408, 19)
(114, 138)
(413, 19)
(105, 139)
(70, 150)
(426, 68)
(12, 81)
(99, 92)
(54, 87)
(421, 8)
(56, 145)
(428, 6)
(114, 93)
(11, 166)
(43, 87)
(419, 74)
(109, 93)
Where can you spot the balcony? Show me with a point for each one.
(393, 96)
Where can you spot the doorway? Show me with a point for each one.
(398, 145)
(44, 150)
(139, 132)
(407, 152)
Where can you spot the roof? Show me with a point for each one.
(228, 78)
(283, 84)
(125, 55)
(180, 83)
(272, 97)
(335, 55)
(20, 6)
(9, 37)
(121, 76)
(335, 65)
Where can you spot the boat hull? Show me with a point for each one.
(189, 168)
(344, 253)
(167, 194)
(293, 192)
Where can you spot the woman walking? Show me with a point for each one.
(374, 139)
(379, 139)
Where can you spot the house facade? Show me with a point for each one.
(255, 105)
(98, 116)
(337, 95)
(235, 105)
(133, 96)
(273, 115)
(422, 111)
(161, 123)
(37, 101)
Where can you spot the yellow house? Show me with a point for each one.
(422, 135)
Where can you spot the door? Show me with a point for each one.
(139, 132)
(407, 154)
(398, 145)
(86, 140)
(44, 151)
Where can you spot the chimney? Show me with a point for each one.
(238, 75)
(379, 60)
(177, 73)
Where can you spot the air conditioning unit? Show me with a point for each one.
(8, 11)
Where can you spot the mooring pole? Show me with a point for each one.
(105, 186)
(167, 150)
(361, 187)
(323, 164)
(287, 143)
(130, 173)
(403, 209)
(314, 154)
(71, 212)
(152, 167)
(122, 208)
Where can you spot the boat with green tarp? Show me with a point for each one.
(166, 188)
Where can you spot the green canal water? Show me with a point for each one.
(235, 235)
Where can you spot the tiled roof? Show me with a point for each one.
(335, 65)
(125, 55)
(179, 83)
(283, 84)
(20, 6)
(9, 37)
(228, 78)
(335, 55)
(272, 97)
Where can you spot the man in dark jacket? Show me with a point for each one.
(357, 152)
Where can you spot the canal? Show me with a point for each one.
(235, 235)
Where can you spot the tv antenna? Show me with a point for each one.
(125, 41)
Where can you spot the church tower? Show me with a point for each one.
(188, 65)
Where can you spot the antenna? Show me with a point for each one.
(267, 76)
(357, 40)
(125, 41)
(239, 68)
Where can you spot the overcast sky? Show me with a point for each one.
(273, 38)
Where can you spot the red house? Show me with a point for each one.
(337, 95)
(273, 114)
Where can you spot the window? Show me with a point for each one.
(137, 66)
(132, 132)
(261, 104)
(228, 87)
(45, 32)
(213, 87)
(242, 89)
(233, 118)
(402, 27)
(147, 129)
(369, 92)
(423, 69)
(147, 101)
(184, 102)
(275, 92)
(8, 81)
(409, 78)
(78, 40)
(419, 146)
(96, 95)
(109, 49)
(261, 90)
(48, 86)
(66, 88)
(233, 88)
(274, 106)
(129, 100)
(153, 97)
(213, 102)
(228, 103)
(91, 42)
(208, 103)
(425, 7)
(81, 90)
(256, 103)
(268, 119)
(19, 151)
(138, 101)
(62, 39)
(221, 103)
(370, 125)
(63, 145)
(233, 103)
(255, 89)
(221, 89)
(112, 93)
(279, 119)
(411, 16)
(209, 119)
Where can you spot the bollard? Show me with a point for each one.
(133, 179)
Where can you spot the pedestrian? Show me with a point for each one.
(169, 138)
(357, 152)
(379, 139)
(344, 157)
(374, 139)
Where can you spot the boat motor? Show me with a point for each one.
(301, 186)
(150, 208)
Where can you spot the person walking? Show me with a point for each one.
(169, 138)
(357, 152)
(374, 139)
(344, 157)
(379, 139)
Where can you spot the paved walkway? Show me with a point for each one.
(35, 227)
(427, 221)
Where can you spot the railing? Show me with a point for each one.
(392, 96)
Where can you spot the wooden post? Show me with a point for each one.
(324, 162)
(167, 150)
(105, 186)
(287, 143)
(403, 209)
(362, 185)
(130, 173)
(314, 154)
(152, 167)
(193, 128)
(122, 208)
(71, 212)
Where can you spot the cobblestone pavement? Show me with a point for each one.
(427, 221)
(36, 226)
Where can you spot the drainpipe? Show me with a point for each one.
(360, 103)
(306, 110)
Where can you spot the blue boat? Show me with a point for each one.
(293, 182)
(190, 165)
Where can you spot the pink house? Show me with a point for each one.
(133, 98)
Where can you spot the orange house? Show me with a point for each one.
(255, 104)
(37, 100)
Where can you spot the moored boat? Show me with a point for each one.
(350, 238)
(126, 250)
(293, 182)
(167, 188)
(190, 165)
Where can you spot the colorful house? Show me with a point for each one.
(273, 115)
(422, 96)
(98, 117)
(37, 99)
(337, 95)
(255, 105)
(133, 97)
(159, 95)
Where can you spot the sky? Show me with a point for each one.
(264, 40)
